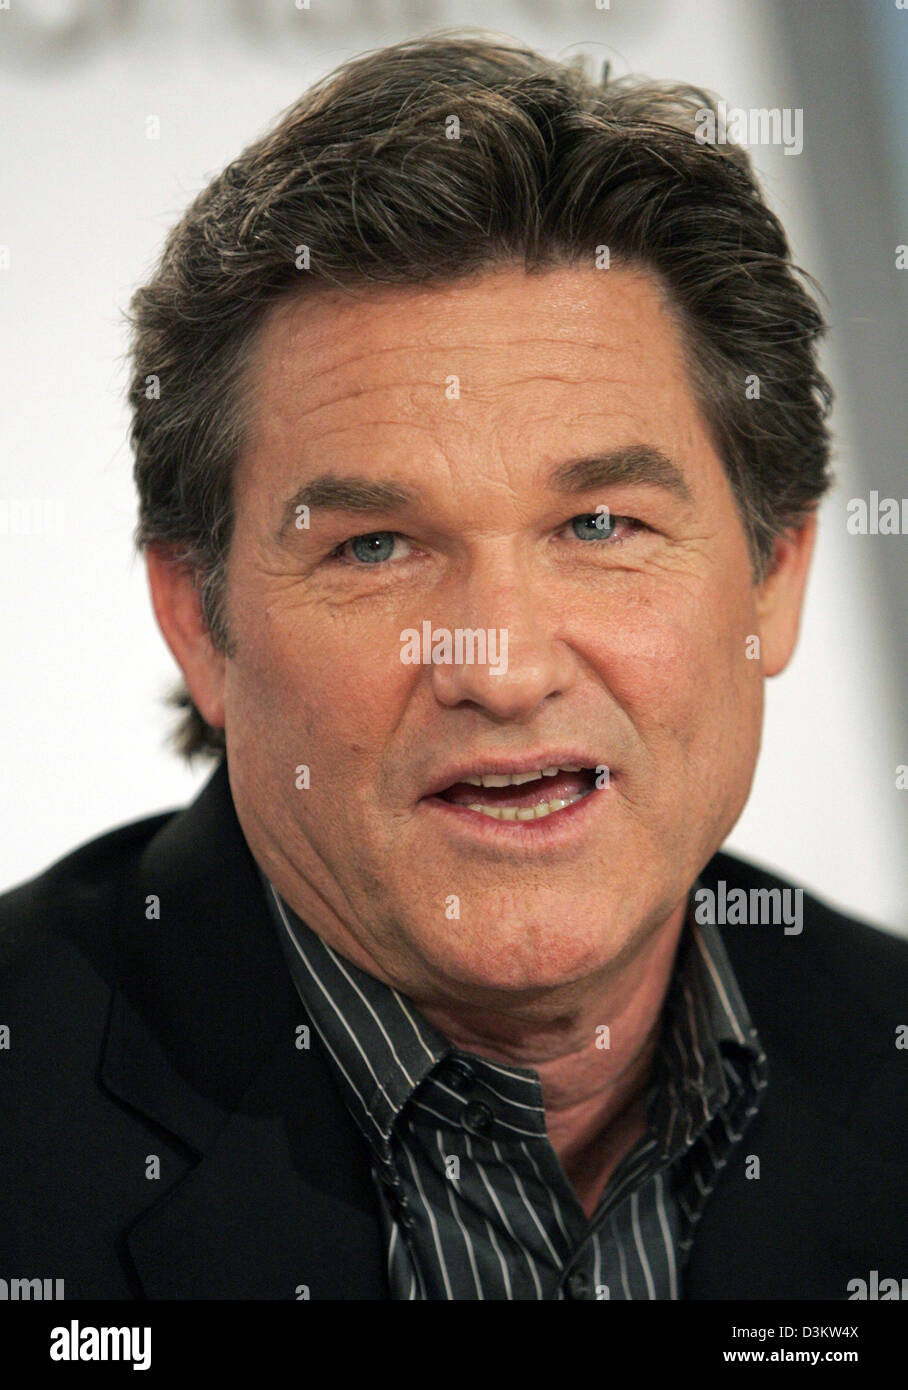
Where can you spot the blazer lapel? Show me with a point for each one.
(276, 1198)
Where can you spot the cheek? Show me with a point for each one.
(677, 665)
(300, 677)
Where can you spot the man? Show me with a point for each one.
(475, 550)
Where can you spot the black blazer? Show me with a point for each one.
(134, 1037)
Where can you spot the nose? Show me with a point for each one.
(505, 613)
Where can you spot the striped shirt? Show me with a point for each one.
(474, 1201)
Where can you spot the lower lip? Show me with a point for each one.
(559, 827)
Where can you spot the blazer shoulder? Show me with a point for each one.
(825, 965)
(835, 933)
(74, 899)
(865, 951)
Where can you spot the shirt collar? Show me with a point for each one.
(705, 1024)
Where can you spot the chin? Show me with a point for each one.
(525, 958)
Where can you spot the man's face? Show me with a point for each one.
(625, 646)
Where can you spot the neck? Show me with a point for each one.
(593, 1081)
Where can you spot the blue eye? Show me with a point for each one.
(372, 548)
(602, 526)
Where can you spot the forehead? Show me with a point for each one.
(550, 349)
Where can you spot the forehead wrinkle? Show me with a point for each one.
(480, 391)
(369, 353)
(302, 411)
(338, 334)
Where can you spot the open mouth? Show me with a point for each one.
(525, 796)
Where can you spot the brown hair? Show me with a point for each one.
(549, 165)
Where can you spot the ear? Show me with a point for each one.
(178, 609)
(780, 596)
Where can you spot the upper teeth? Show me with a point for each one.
(508, 779)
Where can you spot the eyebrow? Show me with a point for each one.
(631, 465)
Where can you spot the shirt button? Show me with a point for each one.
(458, 1075)
(478, 1119)
(402, 1213)
(578, 1285)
